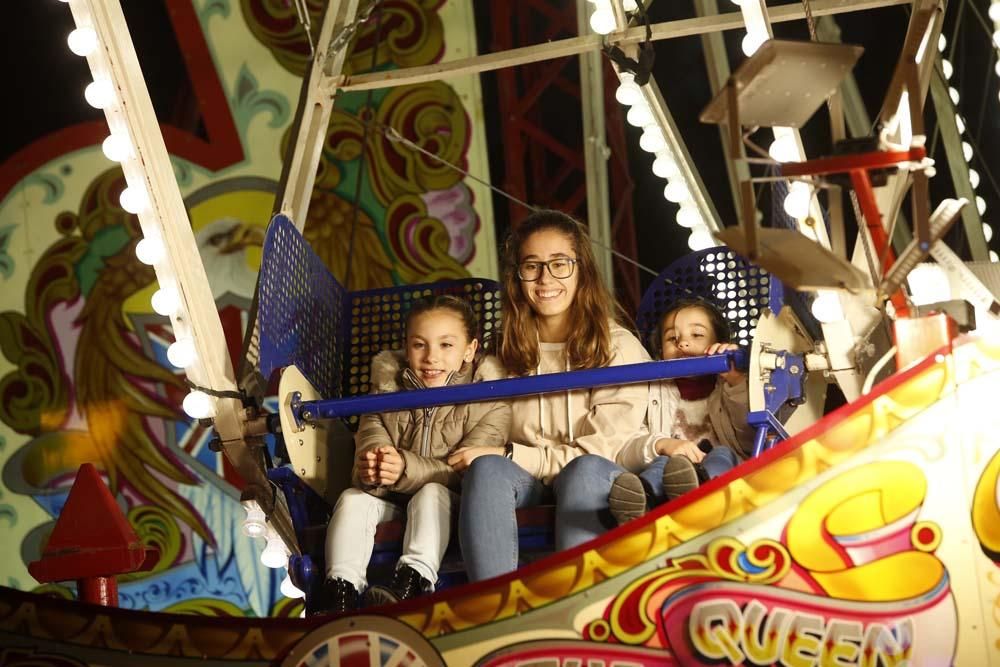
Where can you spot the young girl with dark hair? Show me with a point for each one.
(557, 316)
(400, 470)
(697, 426)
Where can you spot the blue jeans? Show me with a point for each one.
(717, 462)
(583, 486)
(492, 489)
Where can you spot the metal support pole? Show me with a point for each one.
(316, 100)
(595, 149)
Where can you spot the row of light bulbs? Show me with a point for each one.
(640, 115)
(602, 20)
(117, 147)
(275, 554)
(665, 166)
(967, 151)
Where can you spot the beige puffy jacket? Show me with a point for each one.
(426, 436)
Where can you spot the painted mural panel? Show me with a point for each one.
(84, 374)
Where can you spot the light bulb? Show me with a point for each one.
(664, 165)
(676, 191)
(274, 554)
(783, 149)
(826, 306)
(628, 92)
(953, 94)
(688, 216)
(639, 115)
(967, 151)
(797, 200)
(181, 352)
(166, 300)
(993, 256)
(942, 42)
(116, 147)
(199, 405)
(980, 205)
(134, 198)
(652, 139)
(255, 525)
(99, 94)
(996, 38)
(995, 11)
(987, 232)
(960, 124)
(82, 41)
(974, 178)
(602, 21)
(288, 589)
(928, 284)
(150, 251)
(996, 68)
(751, 42)
(946, 68)
(700, 239)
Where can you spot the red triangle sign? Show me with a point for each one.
(91, 538)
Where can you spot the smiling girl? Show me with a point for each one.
(698, 425)
(557, 316)
(399, 469)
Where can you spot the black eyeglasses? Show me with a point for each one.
(561, 267)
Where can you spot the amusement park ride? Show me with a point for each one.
(868, 536)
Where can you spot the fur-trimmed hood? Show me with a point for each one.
(388, 369)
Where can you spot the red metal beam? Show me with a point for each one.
(543, 165)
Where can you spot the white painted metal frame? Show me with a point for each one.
(149, 169)
(319, 92)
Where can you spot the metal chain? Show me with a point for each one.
(306, 22)
(810, 21)
(346, 33)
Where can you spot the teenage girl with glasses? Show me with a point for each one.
(557, 316)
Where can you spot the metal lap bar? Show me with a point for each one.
(333, 408)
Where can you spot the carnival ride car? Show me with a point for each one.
(846, 543)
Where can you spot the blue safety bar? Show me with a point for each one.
(332, 408)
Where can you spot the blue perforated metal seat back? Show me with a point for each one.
(308, 319)
(377, 316)
(738, 288)
(301, 310)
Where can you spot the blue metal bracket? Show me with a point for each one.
(309, 411)
(786, 385)
(765, 422)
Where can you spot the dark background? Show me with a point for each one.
(49, 81)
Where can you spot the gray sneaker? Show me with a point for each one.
(679, 477)
(627, 498)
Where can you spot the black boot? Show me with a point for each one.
(406, 583)
(335, 596)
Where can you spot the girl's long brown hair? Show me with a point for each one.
(590, 312)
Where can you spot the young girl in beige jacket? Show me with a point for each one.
(400, 469)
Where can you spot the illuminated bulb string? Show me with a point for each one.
(946, 70)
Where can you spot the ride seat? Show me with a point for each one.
(307, 319)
